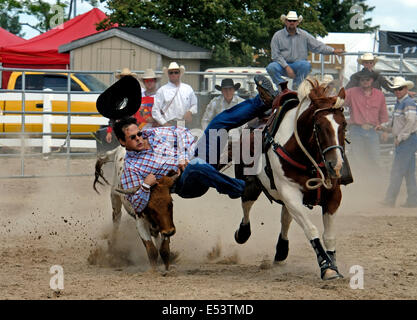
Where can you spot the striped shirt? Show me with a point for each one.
(168, 146)
(404, 120)
(286, 48)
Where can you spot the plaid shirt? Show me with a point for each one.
(169, 146)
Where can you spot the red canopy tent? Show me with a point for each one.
(7, 38)
(41, 52)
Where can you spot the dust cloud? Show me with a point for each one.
(62, 221)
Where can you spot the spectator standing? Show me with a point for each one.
(404, 128)
(222, 102)
(368, 61)
(368, 111)
(289, 51)
(175, 100)
(144, 114)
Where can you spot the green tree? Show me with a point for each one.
(235, 30)
(9, 16)
(238, 32)
(336, 15)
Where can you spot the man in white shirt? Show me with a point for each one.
(175, 100)
(222, 102)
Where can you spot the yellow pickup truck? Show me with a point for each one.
(11, 101)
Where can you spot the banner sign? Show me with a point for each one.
(398, 42)
(330, 61)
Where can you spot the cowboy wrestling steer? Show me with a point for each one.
(155, 221)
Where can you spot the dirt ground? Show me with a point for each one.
(62, 221)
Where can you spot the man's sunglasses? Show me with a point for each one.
(173, 72)
(399, 89)
(133, 136)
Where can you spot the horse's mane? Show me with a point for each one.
(312, 89)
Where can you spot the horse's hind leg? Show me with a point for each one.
(250, 195)
(282, 247)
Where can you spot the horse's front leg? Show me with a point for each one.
(250, 195)
(329, 235)
(298, 212)
(329, 239)
(281, 252)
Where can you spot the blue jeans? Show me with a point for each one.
(211, 144)
(365, 148)
(301, 69)
(199, 176)
(404, 166)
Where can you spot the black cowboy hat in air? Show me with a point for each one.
(365, 73)
(227, 83)
(122, 99)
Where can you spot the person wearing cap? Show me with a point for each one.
(368, 61)
(289, 51)
(144, 114)
(222, 102)
(368, 112)
(175, 100)
(404, 130)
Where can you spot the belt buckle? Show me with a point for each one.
(367, 126)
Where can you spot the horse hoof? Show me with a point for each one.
(243, 233)
(330, 274)
(281, 250)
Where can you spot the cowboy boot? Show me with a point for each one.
(265, 89)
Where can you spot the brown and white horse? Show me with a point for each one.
(313, 132)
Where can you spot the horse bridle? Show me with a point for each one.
(316, 128)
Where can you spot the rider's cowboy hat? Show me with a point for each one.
(367, 57)
(399, 82)
(149, 74)
(122, 99)
(291, 15)
(227, 83)
(174, 66)
(125, 72)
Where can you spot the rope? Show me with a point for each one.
(313, 183)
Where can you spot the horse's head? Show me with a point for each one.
(329, 128)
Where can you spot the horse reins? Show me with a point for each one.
(315, 183)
